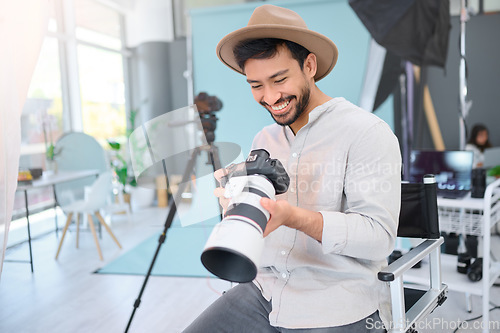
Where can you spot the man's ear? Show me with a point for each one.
(310, 66)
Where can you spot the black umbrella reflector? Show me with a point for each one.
(416, 31)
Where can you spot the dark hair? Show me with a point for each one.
(265, 48)
(473, 136)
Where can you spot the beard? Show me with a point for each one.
(293, 114)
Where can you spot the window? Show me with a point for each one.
(41, 119)
(100, 64)
(97, 24)
(102, 93)
(96, 72)
(75, 85)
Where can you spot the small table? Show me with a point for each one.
(49, 179)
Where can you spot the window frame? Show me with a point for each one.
(68, 60)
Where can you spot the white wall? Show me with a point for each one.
(149, 21)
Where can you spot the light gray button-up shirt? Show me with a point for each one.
(346, 164)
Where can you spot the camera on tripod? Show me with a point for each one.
(234, 248)
(206, 106)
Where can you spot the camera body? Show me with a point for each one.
(207, 106)
(206, 103)
(233, 250)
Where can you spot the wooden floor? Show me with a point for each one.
(64, 296)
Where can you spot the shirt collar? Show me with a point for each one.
(313, 116)
(317, 111)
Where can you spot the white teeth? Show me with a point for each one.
(281, 106)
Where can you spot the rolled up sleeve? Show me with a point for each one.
(367, 227)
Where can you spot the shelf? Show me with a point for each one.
(471, 203)
(454, 280)
(465, 220)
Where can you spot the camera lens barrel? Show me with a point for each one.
(247, 204)
(235, 246)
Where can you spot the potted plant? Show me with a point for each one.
(140, 196)
(120, 167)
(50, 150)
(494, 172)
(118, 162)
(137, 196)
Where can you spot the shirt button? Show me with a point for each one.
(283, 275)
(292, 190)
(283, 253)
(294, 155)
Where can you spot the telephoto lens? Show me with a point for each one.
(234, 248)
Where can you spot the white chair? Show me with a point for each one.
(77, 151)
(96, 200)
(117, 203)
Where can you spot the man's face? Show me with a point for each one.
(280, 85)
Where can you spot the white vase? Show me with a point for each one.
(141, 198)
(51, 166)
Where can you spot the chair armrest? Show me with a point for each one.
(410, 259)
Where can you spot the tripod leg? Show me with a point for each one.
(168, 222)
(215, 158)
(216, 165)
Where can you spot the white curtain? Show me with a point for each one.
(23, 24)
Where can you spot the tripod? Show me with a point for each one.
(214, 159)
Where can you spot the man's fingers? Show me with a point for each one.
(223, 201)
(219, 192)
(218, 174)
(268, 204)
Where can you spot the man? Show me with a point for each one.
(330, 234)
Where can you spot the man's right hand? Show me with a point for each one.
(219, 191)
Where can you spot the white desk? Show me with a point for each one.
(49, 179)
(471, 216)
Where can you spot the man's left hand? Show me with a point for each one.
(282, 213)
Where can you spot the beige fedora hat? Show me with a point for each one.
(269, 21)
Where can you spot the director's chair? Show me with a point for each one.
(418, 219)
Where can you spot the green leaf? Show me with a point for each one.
(494, 172)
(122, 175)
(50, 153)
(114, 145)
(133, 182)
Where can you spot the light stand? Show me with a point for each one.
(214, 159)
(465, 104)
(206, 105)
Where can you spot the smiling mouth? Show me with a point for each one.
(280, 108)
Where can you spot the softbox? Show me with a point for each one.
(416, 31)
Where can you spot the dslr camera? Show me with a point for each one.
(234, 248)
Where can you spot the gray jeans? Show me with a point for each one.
(243, 310)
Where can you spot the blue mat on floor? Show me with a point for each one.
(179, 255)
